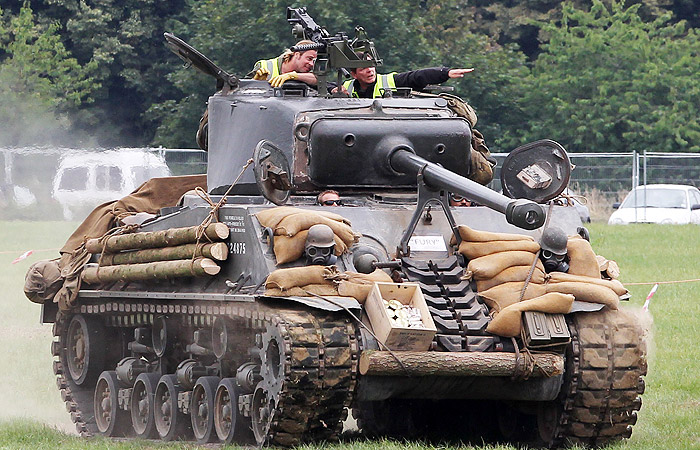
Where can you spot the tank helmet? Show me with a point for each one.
(554, 240)
(320, 245)
(320, 235)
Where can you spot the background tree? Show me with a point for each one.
(607, 81)
(407, 35)
(41, 84)
(139, 95)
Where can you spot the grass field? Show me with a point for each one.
(32, 414)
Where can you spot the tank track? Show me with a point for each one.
(78, 399)
(460, 318)
(320, 363)
(603, 381)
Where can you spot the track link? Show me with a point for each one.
(320, 362)
(460, 318)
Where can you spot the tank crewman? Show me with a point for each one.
(329, 198)
(367, 84)
(288, 66)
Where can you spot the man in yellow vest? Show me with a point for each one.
(367, 84)
(288, 66)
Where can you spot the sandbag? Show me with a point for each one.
(42, 281)
(359, 291)
(582, 259)
(359, 285)
(303, 291)
(586, 292)
(294, 223)
(272, 217)
(508, 321)
(560, 277)
(504, 295)
(368, 278)
(487, 267)
(473, 250)
(300, 276)
(292, 248)
(515, 273)
(472, 235)
(608, 269)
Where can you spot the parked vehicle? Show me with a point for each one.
(658, 203)
(85, 180)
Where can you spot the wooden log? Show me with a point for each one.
(155, 239)
(217, 251)
(150, 271)
(459, 364)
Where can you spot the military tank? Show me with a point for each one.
(211, 351)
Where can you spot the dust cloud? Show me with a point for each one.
(646, 323)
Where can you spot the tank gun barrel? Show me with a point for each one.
(519, 212)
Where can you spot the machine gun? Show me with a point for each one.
(336, 53)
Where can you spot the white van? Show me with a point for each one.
(87, 179)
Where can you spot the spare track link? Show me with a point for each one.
(460, 318)
(321, 353)
(601, 394)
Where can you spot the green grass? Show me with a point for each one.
(32, 414)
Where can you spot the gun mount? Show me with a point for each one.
(336, 53)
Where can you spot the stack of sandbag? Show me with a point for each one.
(322, 280)
(499, 263)
(291, 225)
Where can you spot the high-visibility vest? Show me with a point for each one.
(273, 66)
(383, 82)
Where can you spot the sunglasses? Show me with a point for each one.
(332, 202)
(546, 254)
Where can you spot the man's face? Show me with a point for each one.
(366, 75)
(304, 62)
(330, 199)
(458, 200)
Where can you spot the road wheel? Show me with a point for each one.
(142, 404)
(171, 423)
(202, 409)
(85, 347)
(111, 420)
(230, 425)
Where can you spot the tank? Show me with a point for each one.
(195, 343)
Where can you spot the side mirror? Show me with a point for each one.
(695, 207)
(616, 205)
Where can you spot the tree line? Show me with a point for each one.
(597, 76)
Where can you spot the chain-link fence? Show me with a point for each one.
(605, 178)
(29, 177)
